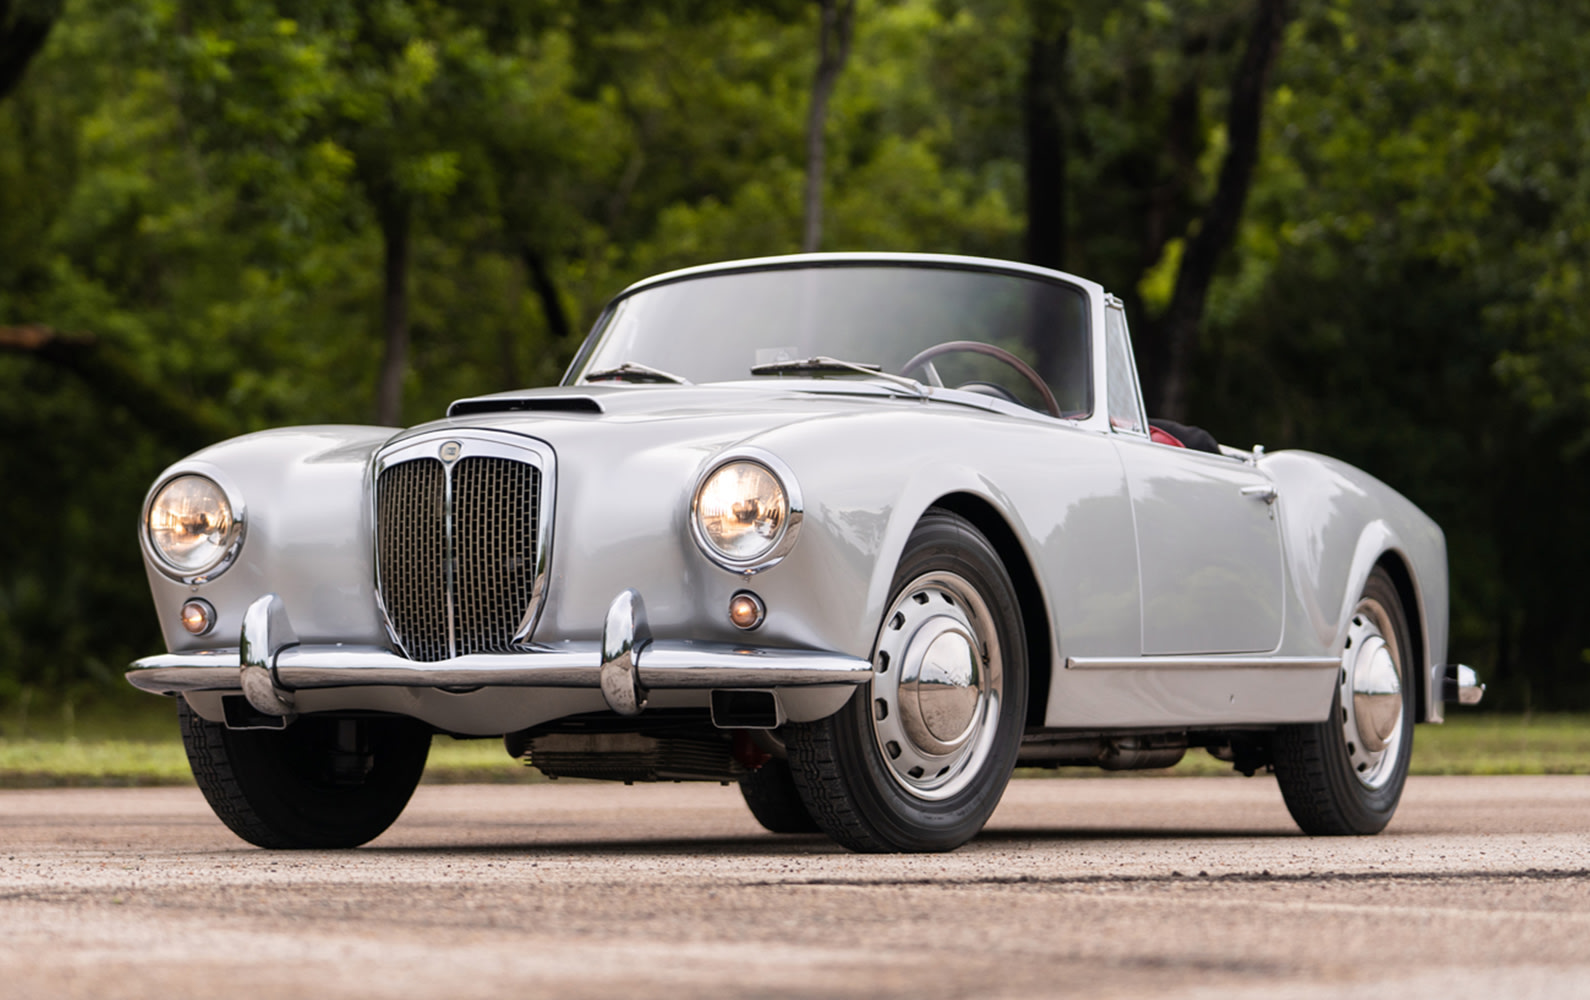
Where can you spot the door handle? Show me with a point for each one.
(1265, 492)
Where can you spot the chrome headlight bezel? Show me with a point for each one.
(789, 530)
(192, 576)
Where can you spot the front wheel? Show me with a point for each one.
(1344, 776)
(321, 782)
(918, 759)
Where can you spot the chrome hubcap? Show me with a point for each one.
(937, 685)
(1371, 695)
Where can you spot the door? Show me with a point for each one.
(1209, 550)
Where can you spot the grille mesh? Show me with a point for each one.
(412, 548)
(494, 522)
(496, 513)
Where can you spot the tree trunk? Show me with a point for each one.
(1044, 111)
(836, 22)
(557, 318)
(24, 28)
(1044, 94)
(1165, 217)
(396, 218)
(547, 291)
(1217, 227)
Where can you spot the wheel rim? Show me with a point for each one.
(1371, 696)
(937, 686)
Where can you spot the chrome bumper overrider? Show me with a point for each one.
(1461, 684)
(270, 664)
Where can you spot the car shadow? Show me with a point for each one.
(752, 846)
(783, 845)
(1101, 833)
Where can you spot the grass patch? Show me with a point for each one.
(30, 763)
(119, 763)
(122, 744)
(132, 716)
(132, 741)
(1470, 743)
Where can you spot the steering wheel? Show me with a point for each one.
(999, 353)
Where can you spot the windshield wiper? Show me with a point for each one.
(821, 363)
(629, 371)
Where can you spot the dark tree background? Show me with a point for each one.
(1355, 227)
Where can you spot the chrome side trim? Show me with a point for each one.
(1203, 663)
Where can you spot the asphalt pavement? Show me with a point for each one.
(1103, 887)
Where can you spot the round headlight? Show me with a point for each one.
(745, 516)
(191, 527)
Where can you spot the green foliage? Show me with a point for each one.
(200, 185)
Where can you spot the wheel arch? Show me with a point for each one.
(1396, 567)
(1034, 613)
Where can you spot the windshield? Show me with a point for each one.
(717, 327)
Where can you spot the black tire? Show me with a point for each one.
(292, 788)
(1333, 785)
(773, 799)
(870, 783)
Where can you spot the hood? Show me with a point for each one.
(619, 419)
(738, 396)
(738, 409)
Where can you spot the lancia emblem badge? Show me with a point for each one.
(450, 450)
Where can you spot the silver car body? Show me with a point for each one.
(1166, 588)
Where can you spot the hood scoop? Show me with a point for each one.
(524, 404)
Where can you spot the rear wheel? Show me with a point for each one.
(321, 782)
(918, 759)
(1344, 776)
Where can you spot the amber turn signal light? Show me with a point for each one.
(198, 617)
(746, 610)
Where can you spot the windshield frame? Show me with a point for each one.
(1091, 292)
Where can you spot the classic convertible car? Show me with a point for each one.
(862, 532)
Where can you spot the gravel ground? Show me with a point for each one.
(1195, 887)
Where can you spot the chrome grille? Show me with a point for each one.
(468, 593)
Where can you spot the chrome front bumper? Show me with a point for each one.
(270, 664)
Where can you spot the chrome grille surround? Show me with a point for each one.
(461, 526)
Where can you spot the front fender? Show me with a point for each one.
(861, 505)
(306, 532)
(1339, 523)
